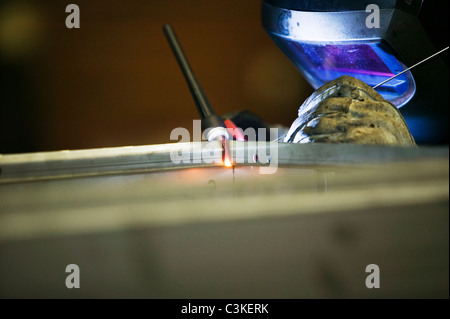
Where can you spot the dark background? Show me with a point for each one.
(115, 81)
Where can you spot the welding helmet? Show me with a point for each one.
(367, 39)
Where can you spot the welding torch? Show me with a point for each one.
(213, 126)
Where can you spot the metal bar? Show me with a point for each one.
(132, 159)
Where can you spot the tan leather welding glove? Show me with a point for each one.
(347, 110)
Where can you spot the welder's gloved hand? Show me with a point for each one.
(347, 110)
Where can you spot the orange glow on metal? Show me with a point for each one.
(227, 162)
(226, 154)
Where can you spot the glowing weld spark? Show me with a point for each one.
(226, 154)
(227, 162)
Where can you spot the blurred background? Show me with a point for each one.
(115, 82)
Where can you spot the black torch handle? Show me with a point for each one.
(203, 106)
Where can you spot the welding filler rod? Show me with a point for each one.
(426, 59)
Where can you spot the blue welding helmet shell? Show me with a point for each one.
(328, 39)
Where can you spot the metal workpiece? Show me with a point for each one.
(306, 231)
(166, 221)
(114, 160)
(134, 159)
